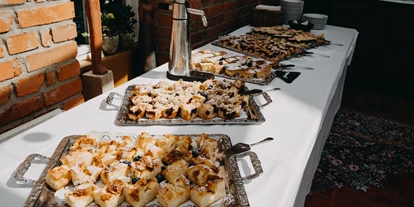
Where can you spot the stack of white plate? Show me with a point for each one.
(293, 9)
(318, 20)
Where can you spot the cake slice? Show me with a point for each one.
(171, 172)
(58, 177)
(116, 170)
(173, 194)
(75, 157)
(81, 196)
(167, 142)
(142, 192)
(111, 195)
(206, 194)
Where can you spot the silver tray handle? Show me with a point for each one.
(110, 98)
(267, 98)
(25, 165)
(257, 166)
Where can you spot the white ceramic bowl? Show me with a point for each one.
(319, 20)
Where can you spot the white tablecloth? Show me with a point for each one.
(299, 119)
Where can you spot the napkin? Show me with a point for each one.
(268, 7)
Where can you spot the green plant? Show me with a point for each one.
(117, 17)
(110, 26)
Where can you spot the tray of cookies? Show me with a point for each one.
(236, 67)
(106, 169)
(176, 103)
(298, 37)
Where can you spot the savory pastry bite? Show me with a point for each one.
(174, 194)
(141, 99)
(167, 142)
(84, 143)
(58, 177)
(142, 192)
(189, 111)
(206, 194)
(153, 151)
(126, 153)
(171, 172)
(118, 170)
(180, 152)
(163, 85)
(143, 89)
(263, 72)
(229, 111)
(207, 111)
(103, 158)
(170, 110)
(154, 111)
(81, 196)
(137, 111)
(144, 139)
(111, 195)
(147, 167)
(75, 157)
(202, 173)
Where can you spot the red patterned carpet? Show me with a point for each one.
(367, 161)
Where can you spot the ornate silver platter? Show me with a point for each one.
(250, 115)
(259, 81)
(42, 195)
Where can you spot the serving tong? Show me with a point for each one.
(243, 147)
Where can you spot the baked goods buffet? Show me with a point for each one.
(167, 171)
(272, 43)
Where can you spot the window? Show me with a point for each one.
(82, 26)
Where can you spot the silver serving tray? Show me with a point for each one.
(43, 195)
(251, 115)
(259, 81)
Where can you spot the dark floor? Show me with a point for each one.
(398, 189)
(377, 104)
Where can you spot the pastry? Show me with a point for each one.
(58, 177)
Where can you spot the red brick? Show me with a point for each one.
(1, 51)
(4, 94)
(73, 103)
(64, 33)
(164, 32)
(51, 56)
(205, 3)
(6, 20)
(29, 85)
(45, 14)
(62, 92)
(69, 71)
(196, 4)
(21, 109)
(10, 69)
(213, 10)
(231, 14)
(46, 38)
(10, 2)
(197, 25)
(164, 20)
(213, 32)
(163, 45)
(50, 78)
(228, 5)
(196, 37)
(22, 42)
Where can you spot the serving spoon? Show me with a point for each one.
(243, 147)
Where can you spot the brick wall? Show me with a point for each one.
(38, 69)
(224, 16)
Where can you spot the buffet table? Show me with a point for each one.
(299, 119)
